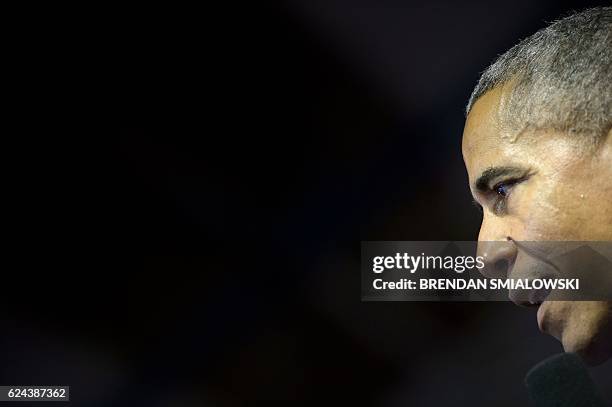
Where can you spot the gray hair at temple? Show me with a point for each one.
(559, 78)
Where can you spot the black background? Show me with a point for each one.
(189, 188)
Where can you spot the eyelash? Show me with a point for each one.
(500, 204)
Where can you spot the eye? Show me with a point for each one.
(502, 189)
(502, 192)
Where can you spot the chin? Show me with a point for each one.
(583, 327)
(593, 351)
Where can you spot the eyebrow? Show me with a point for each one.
(484, 181)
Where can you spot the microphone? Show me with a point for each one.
(562, 381)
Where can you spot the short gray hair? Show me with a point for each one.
(560, 77)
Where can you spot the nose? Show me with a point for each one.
(499, 257)
(500, 251)
(497, 249)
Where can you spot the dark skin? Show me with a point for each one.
(540, 185)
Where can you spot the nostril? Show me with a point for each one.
(501, 266)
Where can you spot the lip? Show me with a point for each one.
(547, 324)
(541, 316)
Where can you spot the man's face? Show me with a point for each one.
(541, 186)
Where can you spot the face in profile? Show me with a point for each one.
(540, 185)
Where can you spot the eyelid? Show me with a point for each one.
(513, 180)
(500, 203)
(496, 202)
(500, 206)
(509, 182)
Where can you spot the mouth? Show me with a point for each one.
(529, 299)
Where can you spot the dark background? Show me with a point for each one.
(192, 185)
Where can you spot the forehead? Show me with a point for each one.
(485, 144)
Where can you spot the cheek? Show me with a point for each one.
(551, 212)
(537, 209)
